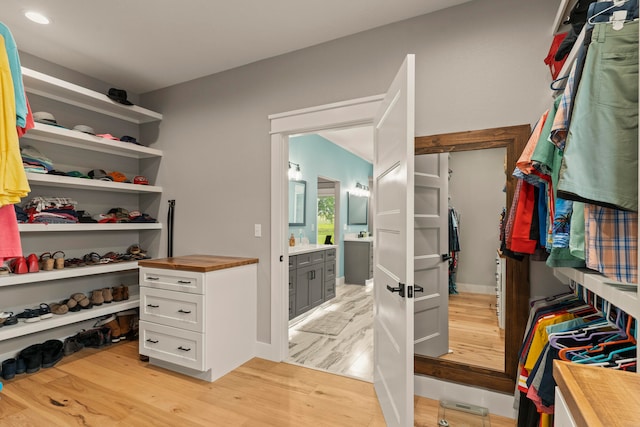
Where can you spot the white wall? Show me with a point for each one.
(479, 65)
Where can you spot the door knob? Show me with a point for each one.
(399, 289)
(418, 288)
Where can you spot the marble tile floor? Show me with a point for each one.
(349, 353)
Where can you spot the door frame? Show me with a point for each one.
(344, 114)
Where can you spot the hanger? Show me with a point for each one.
(552, 87)
(616, 3)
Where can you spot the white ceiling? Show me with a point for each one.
(143, 45)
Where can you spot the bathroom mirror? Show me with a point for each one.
(357, 209)
(297, 202)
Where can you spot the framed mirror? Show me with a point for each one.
(357, 209)
(297, 202)
(514, 139)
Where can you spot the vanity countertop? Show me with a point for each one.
(358, 239)
(311, 247)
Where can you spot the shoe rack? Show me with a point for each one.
(72, 104)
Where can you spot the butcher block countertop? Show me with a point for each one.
(599, 397)
(197, 263)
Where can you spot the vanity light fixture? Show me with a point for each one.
(36, 17)
(294, 174)
(361, 190)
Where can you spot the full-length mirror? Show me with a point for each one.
(297, 202)
(465, 367)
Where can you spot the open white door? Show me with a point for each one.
(393, 274)
(431, 236)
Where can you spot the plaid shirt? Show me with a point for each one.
(611, 242)
(561, 120)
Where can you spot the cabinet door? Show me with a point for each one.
(303, 301)
(316, 285)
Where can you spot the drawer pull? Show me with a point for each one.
(152, 278)
(184, 311)
(184, 282)
(184, 349)
(153, 305)
(152, 341)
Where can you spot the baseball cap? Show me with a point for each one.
(119, 95)
(127, 138)
(117, 176)
(139, 179)
(46, 118)
(84, 129)
(100, 174)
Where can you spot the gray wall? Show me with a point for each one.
(479, 65)
(476, 192)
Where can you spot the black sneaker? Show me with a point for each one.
(32, 356)
(21, 367)
(71, 345)
(29, 315)
(44, 311)
(9, 369)
(52, 352)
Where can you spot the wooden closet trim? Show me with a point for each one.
(514, 139)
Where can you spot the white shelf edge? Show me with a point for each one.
(75, 139)
(563, 12)
(60, 90)
(23, 328)
(124, 226)
(92, 184)
(65, 273)
(621, 295)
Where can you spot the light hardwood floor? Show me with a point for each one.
(474, 335)
(112, 387)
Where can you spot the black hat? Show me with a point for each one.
(119, 95)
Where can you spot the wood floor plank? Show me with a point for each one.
(112, 387)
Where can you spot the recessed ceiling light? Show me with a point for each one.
(36, 17)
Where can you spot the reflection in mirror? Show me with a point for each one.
(516, 293)
(476, 199)
(297, 202)
(357, 209)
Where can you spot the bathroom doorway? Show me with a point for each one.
(328, 204)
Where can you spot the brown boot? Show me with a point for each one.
(112, 323)
(107, 295)
(125, 319)
(96, 297)
(117, 293)
(125, 292)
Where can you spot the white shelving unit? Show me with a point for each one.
(20, 291)
(69, 93)
(24, 328)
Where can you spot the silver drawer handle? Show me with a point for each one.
(152, 278)
(184, 311)
(184, 282)
(152, 341)
(184, 349)
(152, 306)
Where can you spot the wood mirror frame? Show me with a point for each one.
(514, 139)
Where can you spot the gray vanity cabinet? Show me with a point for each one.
(358, 261)
(312, 278)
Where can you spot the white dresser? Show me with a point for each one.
(198, 313)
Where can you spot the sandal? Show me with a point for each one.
(59, 308)
(4, 270)
(91, 258)
(59, 261)
(82, 300)
(74, 262)
(46, 261)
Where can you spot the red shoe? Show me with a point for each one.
(32, 263)
(19, 266)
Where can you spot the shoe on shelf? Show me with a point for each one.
(19, 265)
(107, 295)
(29, 315)
(46, 261)
(32, 263)
(96, 297)
(52, 352)
(57, 308)
(44, 311)
(125, 320)
(32, 356)
(82, 300)
(71, 345)
(111, 322)
(11, 320)
(58, 260)
(71, 304)
(4, 270)
(21, 366)
(117, 293)
(9, 368)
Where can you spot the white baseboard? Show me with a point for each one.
(476, 289)
(267, 351)
(497, 403)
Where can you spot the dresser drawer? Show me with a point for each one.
(330, 254)
(184, 348)
(178, 309)
(310, 258)
(181, 281)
